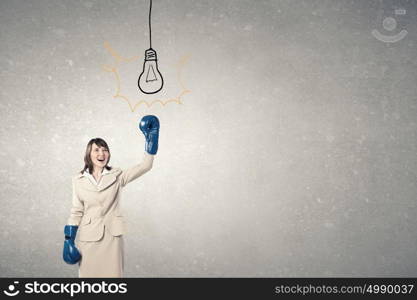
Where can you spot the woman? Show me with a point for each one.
(96, 207)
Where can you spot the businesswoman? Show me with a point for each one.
(96, 212)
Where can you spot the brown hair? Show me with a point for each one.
(88, 164)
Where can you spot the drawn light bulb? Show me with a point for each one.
(150, 80)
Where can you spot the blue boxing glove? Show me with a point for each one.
(71, 254)
(149, 125)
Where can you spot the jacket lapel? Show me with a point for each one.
(86, 184)
(105, 181)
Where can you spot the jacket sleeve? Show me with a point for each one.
(134, 172)
(77, 209)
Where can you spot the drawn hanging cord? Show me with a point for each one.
(150, 80)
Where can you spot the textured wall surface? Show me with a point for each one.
(292, 154)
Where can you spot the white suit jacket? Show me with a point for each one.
(96, 206)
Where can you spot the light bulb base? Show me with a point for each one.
(150, 54)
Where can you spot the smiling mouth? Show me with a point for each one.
(100, 160)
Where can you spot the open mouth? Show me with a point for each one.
(100, 160)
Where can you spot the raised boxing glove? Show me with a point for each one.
(149, 125)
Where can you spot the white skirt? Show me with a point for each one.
(103, 258)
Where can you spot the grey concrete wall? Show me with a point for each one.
(292, 154)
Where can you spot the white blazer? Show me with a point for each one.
(96, 206)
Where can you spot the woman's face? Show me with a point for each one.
(99, 156)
